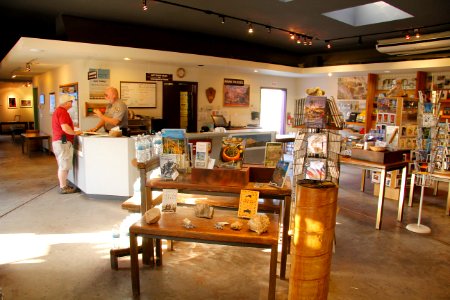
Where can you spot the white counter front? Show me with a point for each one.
(102, 165)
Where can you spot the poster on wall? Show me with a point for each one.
(99, 80)
(71, 89)
(236, 93)
(352, 88)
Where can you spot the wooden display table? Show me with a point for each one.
(170, 227)
(27, 138)
(383, 169)
(184, 184)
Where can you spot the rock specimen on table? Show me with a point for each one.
(259, 223)
(236, 225)
(187, 223)
(152, 215)
(203, 210)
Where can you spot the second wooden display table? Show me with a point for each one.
(383, 169)
(170, 226)
(184, 184)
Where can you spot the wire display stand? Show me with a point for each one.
(317, 144)
(427, 148)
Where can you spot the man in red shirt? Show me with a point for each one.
(62, 142)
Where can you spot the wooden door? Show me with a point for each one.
(180, 105)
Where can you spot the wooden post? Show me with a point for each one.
(312, 242)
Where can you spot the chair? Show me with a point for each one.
(16, 129)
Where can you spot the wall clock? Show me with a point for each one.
(181, 72)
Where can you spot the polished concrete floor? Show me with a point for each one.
(56, 246)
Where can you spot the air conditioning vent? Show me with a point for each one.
(425, 44)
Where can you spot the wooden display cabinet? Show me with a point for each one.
(89, 108)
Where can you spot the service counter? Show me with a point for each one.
(102, 165)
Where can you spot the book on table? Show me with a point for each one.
(169, 200)
(273, 153)
(248, 203)
(280, 174)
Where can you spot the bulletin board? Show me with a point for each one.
(138, 94)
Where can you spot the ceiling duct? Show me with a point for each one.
(426, 43)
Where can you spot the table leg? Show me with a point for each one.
(363, 180)
(273, 272)
(28, 147)
(447, 210)
(148, 254)
(402, 196)
(158, 246)
(411, 189)
(381, 199)
(23, 144)
(285, 235)
(134, 264)
(436, 188)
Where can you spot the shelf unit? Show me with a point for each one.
(398, 116)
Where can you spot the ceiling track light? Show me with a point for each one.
(250, 27)
(360, 42)
(299, 39)
(144, 5)
(328, 44)
(304, 38)
(13, 76)
(28, 67)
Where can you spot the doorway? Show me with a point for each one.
(273, 109)
(180, 105)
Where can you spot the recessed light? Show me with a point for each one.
(126, 58)
(387, 71)
(36, 50)
(256, 71)
(330, 74)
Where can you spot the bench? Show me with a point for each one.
(170, 227)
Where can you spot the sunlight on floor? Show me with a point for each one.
(24, 248)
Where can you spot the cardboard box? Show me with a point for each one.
(378, 157)
(389, 192)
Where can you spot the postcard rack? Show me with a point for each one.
(317, 112)
(316, 155)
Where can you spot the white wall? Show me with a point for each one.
(133, 71)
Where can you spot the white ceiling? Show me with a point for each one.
(45, 55)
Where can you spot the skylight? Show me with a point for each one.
(373, 13)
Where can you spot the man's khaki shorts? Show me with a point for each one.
(63, 154)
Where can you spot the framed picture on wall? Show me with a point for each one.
(236, 95)
(26, 103)
(12, 103)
